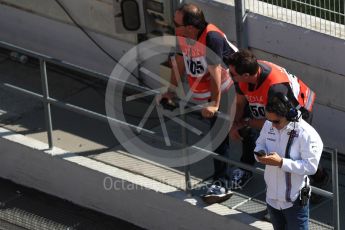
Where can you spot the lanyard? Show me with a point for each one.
(287, 174)
(289, 143)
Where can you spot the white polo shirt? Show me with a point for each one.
(305, 153)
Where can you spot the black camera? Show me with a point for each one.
(304, 195)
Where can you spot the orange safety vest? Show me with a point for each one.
(258, 98)
(196, 65)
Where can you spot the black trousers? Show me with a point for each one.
(220, 167)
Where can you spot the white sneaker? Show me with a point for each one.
(216, 194)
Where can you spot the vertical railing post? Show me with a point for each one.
(46, 104)
(241, 25)
(185, 152)
(335, 187)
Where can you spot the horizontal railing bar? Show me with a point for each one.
(68, 65)
(77, 109)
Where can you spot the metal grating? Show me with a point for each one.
(316, 225)
(4, 225)
(256, 207)
(29, 220)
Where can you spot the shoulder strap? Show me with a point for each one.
(289, 143)
(288, 175)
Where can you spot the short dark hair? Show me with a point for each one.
(276, 105)
(193, 16)
(244, 62)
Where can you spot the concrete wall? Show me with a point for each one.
(94, 15)
(221, 14)
(136, 199)
(60, 40)
(296, 43)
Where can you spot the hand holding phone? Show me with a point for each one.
(260, 153)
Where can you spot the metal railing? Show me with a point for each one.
(325, 16)
(48, 101)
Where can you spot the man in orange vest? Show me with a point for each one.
(255, 82)
(202, 53)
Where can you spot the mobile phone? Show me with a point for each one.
(260, 153)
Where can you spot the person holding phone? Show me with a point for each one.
(291, 150)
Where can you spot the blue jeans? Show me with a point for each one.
(294, 218)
